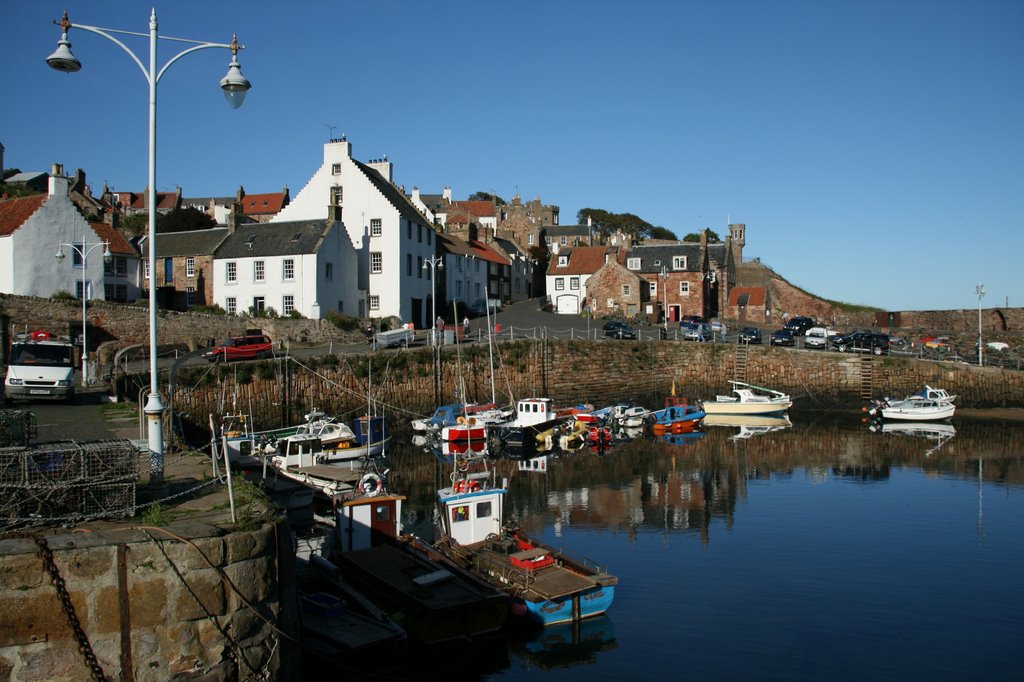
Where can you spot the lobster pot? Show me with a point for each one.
(17, 428)
(369, 429)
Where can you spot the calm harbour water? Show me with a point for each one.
(822, 551)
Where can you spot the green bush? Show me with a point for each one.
(62, 296)
(345, 323)
(212, 309)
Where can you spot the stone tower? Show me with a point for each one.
(737, 235)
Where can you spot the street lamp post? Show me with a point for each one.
(235, 86)
(980, 290)
(434, 263)
(664, 298)
(83, 251)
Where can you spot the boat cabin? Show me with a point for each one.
(366, 522)
(469, 513)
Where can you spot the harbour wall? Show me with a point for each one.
(184, 601)
(413, 381)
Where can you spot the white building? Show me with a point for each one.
(32, 229)
(304, 266)
(392, 239)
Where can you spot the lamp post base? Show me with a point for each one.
(154, 418)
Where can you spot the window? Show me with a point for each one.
(559, 283)
(633, 263)
(458, 264)
(108, 292)
(374, 302)
(654, 289)
(168, 270)
(684, 288)
(678, 262)
(336, 169)
(76, 256)
(419, 267)
(529, 239)
(563, 240)
(190, 296)
(121, 294)
(258, 271)
(408, 230)
(336, 195)
(258, 305)
(563, 261)
(376, 262)
(328, 271)
(145, 269)
(288, 269)
(408, 265)
(483, 510)
(574, 283)
(287, 305)
(190, 267)
(375, 227)
(460, 513)
(419, 233)
(231, 272)
(458, 288)
(231, 304)
(625, 290)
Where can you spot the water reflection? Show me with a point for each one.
(771, 494)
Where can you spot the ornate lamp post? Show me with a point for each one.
(235, 86)
(434, 263)
(83, 249)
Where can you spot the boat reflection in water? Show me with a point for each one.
(750, 425)
(936, 432)
(567, 644)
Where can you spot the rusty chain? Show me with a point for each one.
(46, 554)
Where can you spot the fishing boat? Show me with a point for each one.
(435, 601)
(299, 460)
(339, 442)
(928, 404)
(749, 399)
(678, 416)
(547, 587)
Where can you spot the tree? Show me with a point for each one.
(135, 224)
(184, 220)
(713, 237)
(606, 224)
(486, 196)
(662, 233)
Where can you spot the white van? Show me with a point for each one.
(817, 337)
(40, 366)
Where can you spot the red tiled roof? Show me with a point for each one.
(583, 260)
(14, 212)
(755, 295)
(481, 209)
(262, 203)
(164, 200)
(118, 243)
(481, 250)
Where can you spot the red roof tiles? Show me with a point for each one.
(14, 212)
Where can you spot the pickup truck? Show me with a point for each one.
(394, 337)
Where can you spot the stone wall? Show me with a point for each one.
(408, 382)
(112, 326)
(149, 601)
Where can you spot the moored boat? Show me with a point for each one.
(749, 399)
(678, 416)
(547, 587)
(928, 404)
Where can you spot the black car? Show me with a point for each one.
(781, 337)
(750, 335)
(798, 325)
(862, 342)
(619, 330)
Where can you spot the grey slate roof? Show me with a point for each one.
(274, 239)
(652, 258)
(568, 230)
(190, 243)
(404, 205)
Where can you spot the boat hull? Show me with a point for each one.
(587, 604)
(712, 407)
(918, 414)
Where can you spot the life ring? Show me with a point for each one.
(371, 485)
(461, 420)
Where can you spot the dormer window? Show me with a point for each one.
(633, 263)
(563, 261)
(678, 262)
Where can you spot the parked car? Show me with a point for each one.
(750, 335)
(691, 318)
(696, 331)
(862, 342)
(248, 347)
(618, 330)
(818, 337)
(798, 325)
(781, 337)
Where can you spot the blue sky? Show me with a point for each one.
(874, 149)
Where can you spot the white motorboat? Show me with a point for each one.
(749, 399)
(928, 404)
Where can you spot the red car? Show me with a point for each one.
(251, 347)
